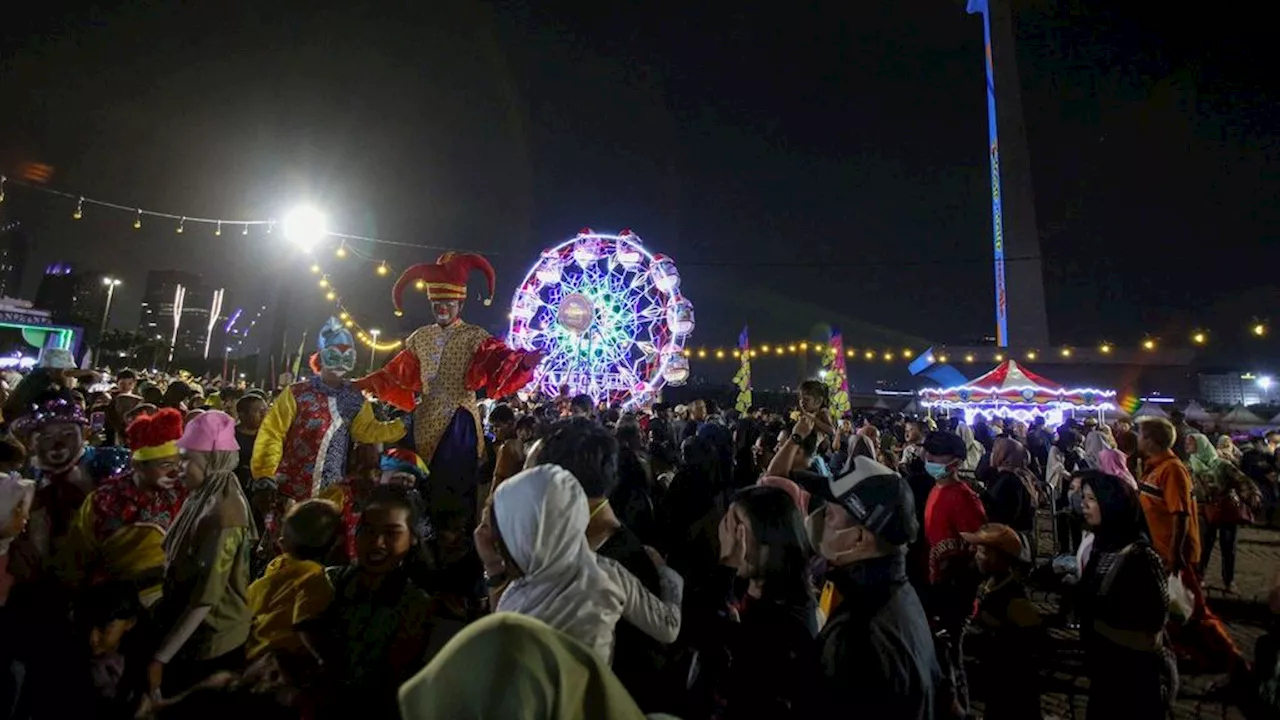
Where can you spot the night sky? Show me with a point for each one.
(803, 166)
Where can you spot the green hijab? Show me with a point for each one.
(513, 666)
(1205, 457)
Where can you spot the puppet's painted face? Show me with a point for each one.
(446, 311)
(338, 359)
(58, 445)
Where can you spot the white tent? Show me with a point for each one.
(1275, 420)
(880, 404)
(1240, 416)
(912, 408)
(1150, 409)
(1195, 412)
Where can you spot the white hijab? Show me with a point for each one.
(15, 492)
(541, 515)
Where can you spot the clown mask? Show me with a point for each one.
(338, 359)
(58, 446)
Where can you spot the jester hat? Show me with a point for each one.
(445, 280)
(52, 408)
(156, 435)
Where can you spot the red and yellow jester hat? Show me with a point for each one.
(445, 280)
(155, 436)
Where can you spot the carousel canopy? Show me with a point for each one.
(1011, 384)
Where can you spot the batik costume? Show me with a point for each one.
(440, 369)
(303, 443)
(118, 534)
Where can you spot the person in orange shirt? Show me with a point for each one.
(1202, 644)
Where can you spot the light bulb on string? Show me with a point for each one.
(181, 225)
(383, 269)
(315, 268)
(331, 295)
(79, 213)
(218, 230)
(420, 285)
(246, 229)
(137, 220)
(324, 282)
(342, 250)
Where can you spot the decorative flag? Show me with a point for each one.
(297, 361)
(743, 378)
(836, 376)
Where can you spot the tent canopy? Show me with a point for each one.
(1009, 374)
(1194, 411)
(1241, 415)
(1150, 409)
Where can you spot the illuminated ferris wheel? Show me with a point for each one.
(609, 317)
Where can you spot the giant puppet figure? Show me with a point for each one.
(301, 450)
(440, 369)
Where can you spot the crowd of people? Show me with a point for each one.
(158, 558)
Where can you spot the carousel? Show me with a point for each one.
(1012, 391)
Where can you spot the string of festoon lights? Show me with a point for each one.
(35, 175)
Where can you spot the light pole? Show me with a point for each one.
(111, 284)
(373, 347)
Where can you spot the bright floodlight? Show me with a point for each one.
(305, 227)
(1264, 382)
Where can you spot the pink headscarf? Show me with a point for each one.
(799, 495)
(1113, 462)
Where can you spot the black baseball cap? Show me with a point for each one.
(877, 498)
(945, 444)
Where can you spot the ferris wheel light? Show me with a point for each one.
(593, 306)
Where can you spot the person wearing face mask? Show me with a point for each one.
(119, 532)
(301, 448)
(876, 647)
(953, 508)
(438, 372)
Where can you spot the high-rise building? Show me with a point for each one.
(14, 245)
(74, 296)
(158, 302)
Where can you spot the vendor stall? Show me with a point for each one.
(1012, 391)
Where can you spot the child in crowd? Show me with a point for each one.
(1010, 625)
(815, 399)
(106, 614)
(294, 590)
(378, 627)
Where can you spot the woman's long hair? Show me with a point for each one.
(1123, 522)
(781, 555)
